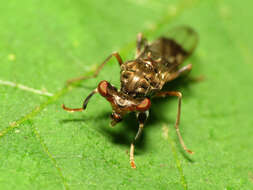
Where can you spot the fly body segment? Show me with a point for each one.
(143, 78)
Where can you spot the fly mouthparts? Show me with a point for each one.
(113, 123)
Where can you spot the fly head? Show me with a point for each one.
(121, 103)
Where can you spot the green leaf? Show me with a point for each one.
(45, 43)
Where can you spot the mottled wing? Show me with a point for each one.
(185, 37)
(173, 47)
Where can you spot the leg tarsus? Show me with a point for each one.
(132, 163)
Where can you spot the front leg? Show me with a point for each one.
(142, 117)
(179, 95)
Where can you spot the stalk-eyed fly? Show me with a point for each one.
(143, 78)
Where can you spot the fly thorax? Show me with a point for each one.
(139, 78)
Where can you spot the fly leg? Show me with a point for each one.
(184, 70)
(139, 44)
(115, 54)
(84, 103)
(132, 163)
(142, 117)
(179, 95)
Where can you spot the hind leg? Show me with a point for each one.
(182, 71)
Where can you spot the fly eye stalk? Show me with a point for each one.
(144, 105)
(103, 88)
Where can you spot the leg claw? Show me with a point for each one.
(133, 164)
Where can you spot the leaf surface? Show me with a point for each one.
(45, 43)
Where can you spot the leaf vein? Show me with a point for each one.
(50, 156)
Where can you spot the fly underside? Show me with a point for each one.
(143, 78)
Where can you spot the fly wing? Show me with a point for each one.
(174, 47)
(185, 37)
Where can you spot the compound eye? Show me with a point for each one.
(144, 105)
(102, 88)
